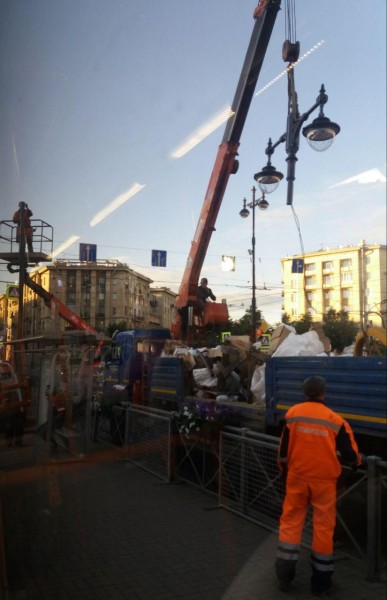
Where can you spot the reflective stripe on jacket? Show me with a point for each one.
(312, 436)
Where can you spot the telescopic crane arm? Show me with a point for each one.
(226, 163)
(50, 300)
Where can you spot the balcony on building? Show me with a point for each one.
(328, 281)
(327, 266)
(310, 283)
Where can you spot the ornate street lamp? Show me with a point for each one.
(262, 204)
(319, 134)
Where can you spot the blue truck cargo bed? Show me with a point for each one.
(356, 388)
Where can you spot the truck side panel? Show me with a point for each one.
(356, 388)
(130, 351)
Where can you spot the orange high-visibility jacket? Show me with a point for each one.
(312, 435)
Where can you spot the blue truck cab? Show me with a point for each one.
(130, 360)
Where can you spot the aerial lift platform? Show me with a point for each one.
(15, 254)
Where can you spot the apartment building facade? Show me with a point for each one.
(350, 278)
(162, 307)
(101, 293)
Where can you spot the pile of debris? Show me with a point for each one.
(235, 370)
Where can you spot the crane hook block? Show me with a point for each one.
(290, 51)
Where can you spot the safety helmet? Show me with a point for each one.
(314, 386)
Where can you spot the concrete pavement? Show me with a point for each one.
(104, 529)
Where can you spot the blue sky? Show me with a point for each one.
(97, 94)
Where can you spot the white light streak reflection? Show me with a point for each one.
(69, 242)
(223, 115)
(116, 203)
(202, 132)
(292, 66)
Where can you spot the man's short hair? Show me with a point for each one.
(314, 386)
(204, 280)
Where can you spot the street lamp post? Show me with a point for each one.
(319, 134)
(262, 204)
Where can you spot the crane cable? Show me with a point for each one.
(290, 21)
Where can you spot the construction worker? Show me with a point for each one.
(23, 215)
(312, 436)
(204, 293)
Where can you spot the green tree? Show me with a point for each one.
(245, 324)
(301, 325)
(340, 329)
(112, 327)
(285, 318)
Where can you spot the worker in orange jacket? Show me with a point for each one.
(312, 436)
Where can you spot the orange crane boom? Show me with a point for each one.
(226, 164)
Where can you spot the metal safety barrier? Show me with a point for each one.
(250, 482)
(197, 459)
(240, 466)
(250, 485)
(148, 440)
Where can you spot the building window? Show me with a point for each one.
(71, 282)
(346, 277)
(310, 282)
(114, 312)
(346, 263)
(327, 265)
(310, 268)
(328, 281)
(346, 296)
(346, 293)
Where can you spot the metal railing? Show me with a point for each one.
(250, 486)
(240, 466)
(148, 440)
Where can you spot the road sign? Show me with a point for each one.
(263, 325)
(228, 263)
(297, 265)
(88, 252)
(159, 258)
(12, 292)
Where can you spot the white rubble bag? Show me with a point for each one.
(203, 378)
(306, 344)
(258, 386)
